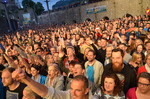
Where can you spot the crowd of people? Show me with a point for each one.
(105, 59)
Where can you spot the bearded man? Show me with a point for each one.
(124, 72)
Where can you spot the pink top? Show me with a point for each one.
(131, 94)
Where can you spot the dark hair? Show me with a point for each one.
(72, 63)
(10, 69)
(145, 75)
(147, 42)
(141, 45)
(36, 67)
(118, 50)
(122, 44)
(83, 79)
(81, 64)
(118, 87)
(92, 52)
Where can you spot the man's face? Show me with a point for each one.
(103, 43)
(90, 56)
(123, 47)
(78, 90)
(77, 70)
(117, 61)
(7, 78)
(87, 41)
(70, 51)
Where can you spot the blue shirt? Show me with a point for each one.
(90, 73)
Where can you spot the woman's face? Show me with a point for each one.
(52, 72)
(139, 48)
(139, 59)
(109, 84)
(34, 72)
(143, 85)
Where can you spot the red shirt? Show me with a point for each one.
(141, 69)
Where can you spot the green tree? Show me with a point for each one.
(37, 7)
(28, 3)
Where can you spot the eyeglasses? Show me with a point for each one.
(142, 84)
(38, 51)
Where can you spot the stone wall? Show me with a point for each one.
(115, 9)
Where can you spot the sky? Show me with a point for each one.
(51, 3)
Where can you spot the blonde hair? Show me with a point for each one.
(135, 55)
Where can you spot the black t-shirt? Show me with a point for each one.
(101, 55)
(128, 73)
(15, 94)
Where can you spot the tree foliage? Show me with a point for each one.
(37, 7)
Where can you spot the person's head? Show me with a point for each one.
(111, 84)
(103, 42)
(78, 69)
(86, 51)
(7, 79)
(35, 70)
(81, 40)
(70, 51)
(123, 47)
(53, 50)
(137, 57)
(91, 55)
(49, 59)
(137, 42)
(79, 87)
(77, 37)
(36, 45)
(117, 59)
(123, 37)
(109, 49)
(39, 51)
(144, 82)
(139, 48)
(29, 94)
(147, 59)
(55, 57)
(53, 71)
(37, 58)
(147, 46)
(71, 66)
(87, 40)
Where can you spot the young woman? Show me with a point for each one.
(136, 61)
(111, 88)
(35, 72)
(143, 89)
